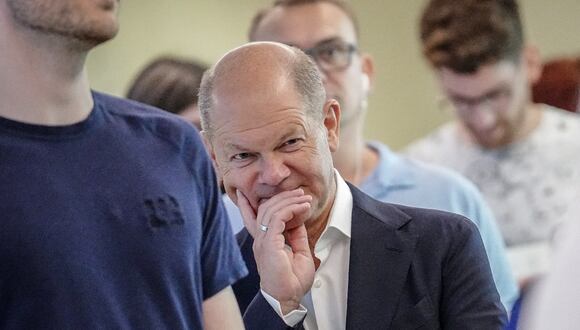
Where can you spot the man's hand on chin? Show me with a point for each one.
(286, 274)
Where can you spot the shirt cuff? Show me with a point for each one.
(292, 318)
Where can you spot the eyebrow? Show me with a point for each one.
(229, 147)
(293, 132)
(329, 41)
(484, 95)
(232, 146)
(320, 43)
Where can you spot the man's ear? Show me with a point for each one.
(533, 62)
(332, 123)
(368, 69)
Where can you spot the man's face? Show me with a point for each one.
(490, 103)
(89, 21)
(264, 143)
(328, 32)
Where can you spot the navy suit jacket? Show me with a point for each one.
(409, 268)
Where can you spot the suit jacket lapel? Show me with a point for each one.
(380, 255)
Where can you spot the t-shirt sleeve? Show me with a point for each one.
(221, 261)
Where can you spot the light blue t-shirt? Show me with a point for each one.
(399, 180)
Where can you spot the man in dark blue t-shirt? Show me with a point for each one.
(110, 216)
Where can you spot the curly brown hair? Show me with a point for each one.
(465, 34)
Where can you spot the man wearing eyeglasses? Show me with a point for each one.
(328, 32)
(523, 156)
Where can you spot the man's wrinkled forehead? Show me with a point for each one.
(257, 135)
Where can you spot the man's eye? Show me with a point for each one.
(290, 142)
(497, 94)
(460, 101)
(291, 145)
(241, 156)
(329, 52)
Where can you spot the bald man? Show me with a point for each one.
(321, 253)
(327, 30)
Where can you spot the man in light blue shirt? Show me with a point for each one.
(327, 31)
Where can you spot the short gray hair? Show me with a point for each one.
(302, 70)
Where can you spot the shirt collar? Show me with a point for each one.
(391, 172)
(340, 215)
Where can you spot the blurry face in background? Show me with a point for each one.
(490, 103)
(192, 115)
(325, 32)
(88, 21)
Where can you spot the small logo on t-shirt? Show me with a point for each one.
(163, 212)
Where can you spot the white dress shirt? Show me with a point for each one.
(325, 304)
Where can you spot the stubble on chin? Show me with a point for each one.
(64, 22)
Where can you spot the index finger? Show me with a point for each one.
(247, 212)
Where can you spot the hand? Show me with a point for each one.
(283, 257)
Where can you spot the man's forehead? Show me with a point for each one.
(250, 105)
(254, 132)
(306, 25)
(255, 93)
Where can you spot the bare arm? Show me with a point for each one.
(221, 311)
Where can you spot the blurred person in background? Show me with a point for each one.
(523, 156)
(556, 301)
(170, 83)
(327, 30)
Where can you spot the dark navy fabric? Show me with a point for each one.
(114, 222)
(409, 268)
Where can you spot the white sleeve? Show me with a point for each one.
(292, 318)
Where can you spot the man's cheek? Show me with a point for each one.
(297, 221)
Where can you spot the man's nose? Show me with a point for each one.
(273, 171)
(483, 118)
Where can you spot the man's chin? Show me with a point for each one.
(491, 139)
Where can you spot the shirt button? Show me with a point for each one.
(317, 283)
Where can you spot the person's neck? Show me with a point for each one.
(354, 160)
(316, 227)
(43, 80)
(531, 120)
